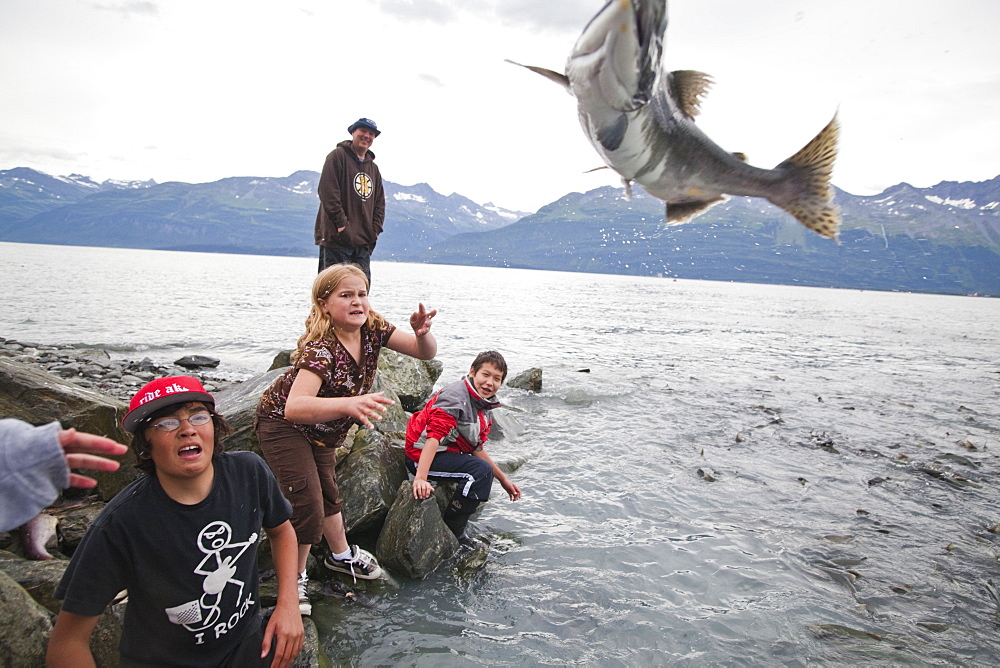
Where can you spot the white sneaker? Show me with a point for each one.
(361, 564)
(305, 607)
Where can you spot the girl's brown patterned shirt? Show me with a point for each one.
(341, 377)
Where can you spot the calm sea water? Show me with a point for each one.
(745, 475)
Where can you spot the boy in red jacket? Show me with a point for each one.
(444, 441)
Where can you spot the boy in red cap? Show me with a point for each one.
(182, 540)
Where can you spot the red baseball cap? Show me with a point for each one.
(161, 392)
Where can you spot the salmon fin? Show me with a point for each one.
(560, 79)
(612, 136)
(812, 203)
(681, 212)
(687, 87)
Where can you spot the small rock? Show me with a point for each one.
(530, 380)
(281, 360)
(197, 362)
(147, 365)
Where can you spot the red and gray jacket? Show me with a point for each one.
(456, 416)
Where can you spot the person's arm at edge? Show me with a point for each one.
(285, 625)
(69, 644)
(37, 462)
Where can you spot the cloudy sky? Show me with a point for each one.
(199, 90)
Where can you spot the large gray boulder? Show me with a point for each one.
(312, 654)
(25, 626)
(37, 578)
(107, 635)
(414, 539)
(393, 422)
(38, 398)
(412, 379)
(369, 477)
(238, 404)
(73, 524)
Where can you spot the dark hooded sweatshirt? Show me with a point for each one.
(350, 196)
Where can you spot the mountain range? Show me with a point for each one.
(943, 239)
(254, 215)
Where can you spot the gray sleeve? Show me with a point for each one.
(33, 470)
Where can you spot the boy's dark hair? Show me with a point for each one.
(494, 358)
(141, 447)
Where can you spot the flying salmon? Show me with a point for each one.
(640, 118)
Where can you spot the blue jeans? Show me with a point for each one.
(360, 256)
(473, 477)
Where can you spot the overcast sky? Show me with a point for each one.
(199, 90)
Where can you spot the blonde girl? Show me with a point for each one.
(308, 410)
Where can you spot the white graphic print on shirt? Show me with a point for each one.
(218, 567)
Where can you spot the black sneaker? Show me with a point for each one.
(361, 564)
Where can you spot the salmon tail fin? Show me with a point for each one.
(684, 211)
(812, 201)
(560, 79)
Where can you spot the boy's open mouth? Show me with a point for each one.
(189, 451)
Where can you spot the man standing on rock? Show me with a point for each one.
(351, 201)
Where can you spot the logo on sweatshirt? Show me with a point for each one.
(363, 185)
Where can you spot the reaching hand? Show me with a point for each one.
(368, 407)
(420, 321)
(513, 491)
(76, 444)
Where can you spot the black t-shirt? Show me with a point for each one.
(190, 571)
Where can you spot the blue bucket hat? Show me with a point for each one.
(364, 123)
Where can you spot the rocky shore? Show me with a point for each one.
(95, 369)
(86, 389)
